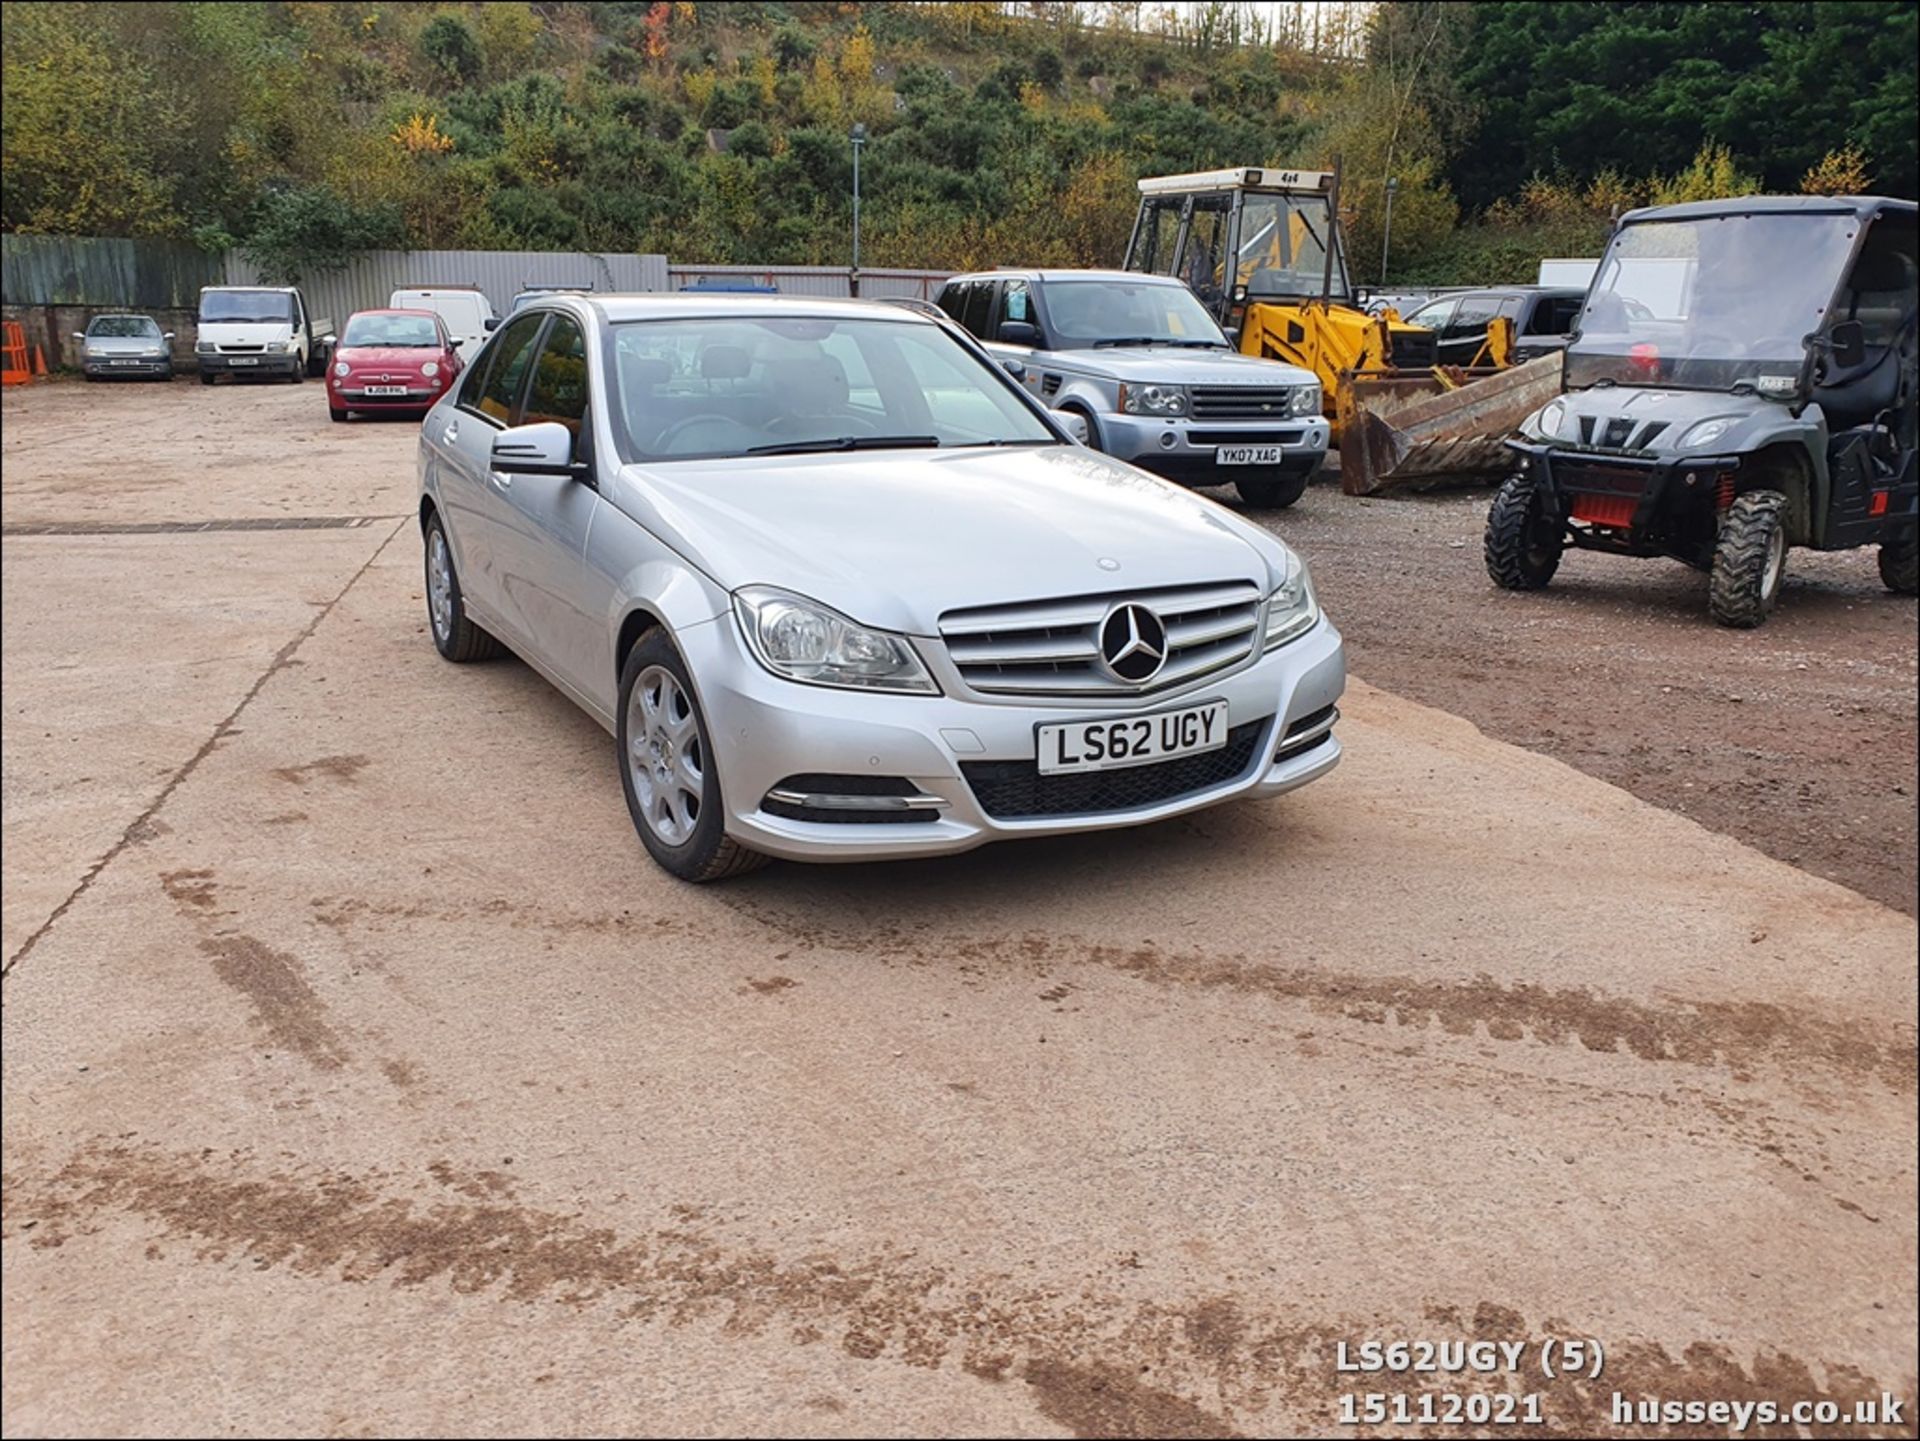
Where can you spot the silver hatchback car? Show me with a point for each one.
(841, 590)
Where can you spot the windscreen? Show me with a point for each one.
(1283, 246)
(1705, 304)
(403, 332)
(124, 327)
(241, 306)
(755, 385)
(1084, 314)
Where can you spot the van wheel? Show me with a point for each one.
(1749, 560)
(667, 768)
(1900, 564)
(205, 378)
(1522, 548)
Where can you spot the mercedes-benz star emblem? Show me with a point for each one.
(1133, 644)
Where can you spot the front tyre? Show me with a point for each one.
(1900, 564)
(454, 636)
(667, 768)
(1749, 560)
(1273, 492)
(1523, 548)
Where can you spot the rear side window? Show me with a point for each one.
(558, 390)
(953, 298)
(979, 308)
(499, 389)
(1555, 315)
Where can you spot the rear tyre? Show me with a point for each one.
(1900, 564)
(667, 768)
(1749, 560)
(1273, 492)
(454, 636)
(1523, 548)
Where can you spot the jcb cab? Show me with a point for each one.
(1742, 380)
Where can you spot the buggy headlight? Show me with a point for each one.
(1306, 400)
(1292, 608)
(802, 640)
(1552, 416)
(1706, 432)
(1153, 399)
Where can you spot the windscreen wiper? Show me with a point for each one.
(1127, 340)
(847, 442)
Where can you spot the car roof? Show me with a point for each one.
(1569, 291)
(1864, 206)
(1045, 274)
(729, 305)
(395, 310)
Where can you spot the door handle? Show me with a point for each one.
(451, 433)
(505, 482)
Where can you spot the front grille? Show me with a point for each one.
(1616, 433)
(242, 349)
(1015, 790)
(1240, 402)
(1051, 647)
(1601, 495)
(1242, 437)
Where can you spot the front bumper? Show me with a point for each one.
(110, 365)
(1187, 450)
(348, 394)
(766, 731)
(256, 363)
(1620, 495)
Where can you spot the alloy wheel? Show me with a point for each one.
(440, 586)
(666, 755)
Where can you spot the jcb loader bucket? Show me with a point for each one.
(1407, 432)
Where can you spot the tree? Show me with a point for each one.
(450, 46)
(309, 230)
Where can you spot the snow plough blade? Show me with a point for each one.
(1431, 429)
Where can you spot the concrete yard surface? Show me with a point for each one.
(363, 1075)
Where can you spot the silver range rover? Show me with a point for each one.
(842, 590)
(1157, 383)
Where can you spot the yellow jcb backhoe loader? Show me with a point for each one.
(1262, 248)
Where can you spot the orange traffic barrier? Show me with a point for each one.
(13, 355)
(39, 362)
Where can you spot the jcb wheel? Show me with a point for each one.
(1900, 564)
(1523, 548)
(1750, 560)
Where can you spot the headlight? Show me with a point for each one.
(1153, 400)
(430, 369)
(1306, 400)
(1292, 609)
(1552, 416)
(203, 347)
(1707, 431)
(800, 639)
(340, 369)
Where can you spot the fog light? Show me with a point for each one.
(1167, 439)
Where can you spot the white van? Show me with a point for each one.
(467, 312)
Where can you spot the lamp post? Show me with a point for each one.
(859, 138)
(1386, 235)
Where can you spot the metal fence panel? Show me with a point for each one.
(499, 274)
(84, 270)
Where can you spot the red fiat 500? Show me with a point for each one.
(392, 362)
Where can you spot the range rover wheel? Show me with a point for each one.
(1273, 492)
(1749, 560)
(667, 768)
(1900, 564)
(454, 636)
(1523, 548)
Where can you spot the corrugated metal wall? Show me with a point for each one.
(78, 270)
(824, 281)
(369, 280)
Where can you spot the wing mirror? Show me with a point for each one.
(545, 448)
(80, 335)
(490, 324)
(1016, 368)
(1075, 425)
(1847, 342)
(167, 335)
(1018, 332)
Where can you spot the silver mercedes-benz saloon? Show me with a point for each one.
(842, 590)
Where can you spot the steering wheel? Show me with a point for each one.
(664, 441)
(790, 423)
